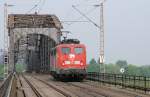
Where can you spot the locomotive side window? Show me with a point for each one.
(65, 50)
(78, 50)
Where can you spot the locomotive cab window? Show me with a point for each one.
(65, 50)
(78, 50)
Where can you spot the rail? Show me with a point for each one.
(55, 88)
(32, 87)
(126, 81)
(12, 90)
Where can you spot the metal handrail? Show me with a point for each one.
(4, 86)
(124, 80)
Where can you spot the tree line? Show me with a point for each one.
(130, 69)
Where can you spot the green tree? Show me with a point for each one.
(93, 66)
(133, 70)
(122, 63)
(144, 70)
(112, 68)
(93, 62)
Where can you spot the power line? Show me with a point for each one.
(40, 8)
(82, 16)
(72, 21)
(36, 5)
(86, 17)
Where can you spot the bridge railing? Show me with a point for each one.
(126, 81)
(5, 85)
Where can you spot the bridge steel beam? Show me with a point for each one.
(20, 26)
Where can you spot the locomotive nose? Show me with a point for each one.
(71, 56)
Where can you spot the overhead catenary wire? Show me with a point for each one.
(40, 8)
(96, 25)
(88, 12)
(35, 6)
(81, 3)
(73, 21)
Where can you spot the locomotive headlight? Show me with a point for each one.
(81, 63)
(67, 62)
(76, 62)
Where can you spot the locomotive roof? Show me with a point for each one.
(70, 41)
(68, 45)
(63, 45)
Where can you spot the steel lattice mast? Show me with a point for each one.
(6, 50)
(101, 29)
(102, 35)
(5, 42)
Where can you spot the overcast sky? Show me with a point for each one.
(127, 25)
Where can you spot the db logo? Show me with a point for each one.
(71, 56)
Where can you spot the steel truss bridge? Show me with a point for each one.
(30, 38)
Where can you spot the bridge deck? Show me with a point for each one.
(46, 86)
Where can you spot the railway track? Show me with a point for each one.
(55, 88)
(25, 88)
(38, 92)
(46, 86)
(20, 91)
(91, 89)
(76, 90)
(32, 87)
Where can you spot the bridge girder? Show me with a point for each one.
(22, 25)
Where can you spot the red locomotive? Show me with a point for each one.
(68, 59)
